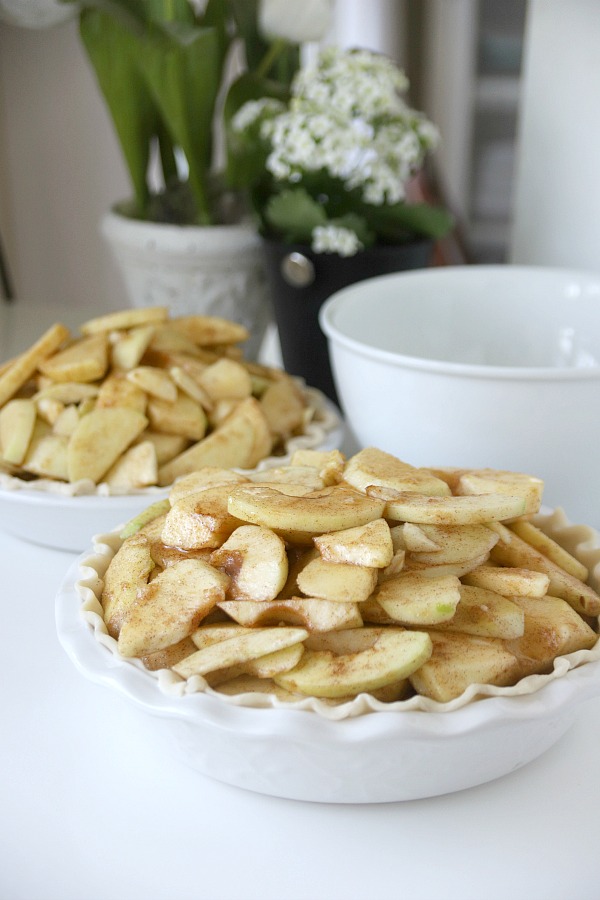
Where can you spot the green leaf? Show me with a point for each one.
(396, 222)
(184, 77)
(245, 13)
(110, 46)
(293, 214)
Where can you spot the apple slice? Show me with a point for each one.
(334, 508)
(262, 667)
(306, 475)
(239, 649)
(151, 513)
(514, 551)
(414, 599)
(167, 340)
(477, 509)
(17, 420)
(99, 439)
(493, 481)
(393, 655)
(557, 554)
(200, 520)
(170, 607)
(552, 628)
(190, 386)
(329, 463)
(458, 569)
(366, 545)
(485, 613)
(116, 390)
(155, 382)
(284, 407)
(126, 318)
(509, 582)
(226, 379)
(166, 659)
(241, 441)
(336, 582)
(455, 543)
(413, 538)
(255, 560)
(166, 446)
(460, 660)
(208, 331)
(47, 453)
(128, 572)
(84, 360)
(66, 421)
(375, 467)
(135, 468)
(314, 615)
(206, 477)
(181, 416)
(68, 392)
(130, 346)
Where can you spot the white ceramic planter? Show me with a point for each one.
(214, 270)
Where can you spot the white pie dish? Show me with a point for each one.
(66, 516)
(359, 752)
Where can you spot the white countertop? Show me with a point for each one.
(93, 807)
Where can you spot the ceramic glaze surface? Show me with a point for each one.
(476, 366)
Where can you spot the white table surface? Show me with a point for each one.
(92, 807)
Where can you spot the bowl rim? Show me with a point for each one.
(466, 370)
(83, 636)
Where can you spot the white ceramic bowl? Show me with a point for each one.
(66, 522)
(360, 752)
(476, 366)
(66, 517)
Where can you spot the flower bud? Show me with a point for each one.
(298, 22)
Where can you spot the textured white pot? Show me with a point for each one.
(214, 270)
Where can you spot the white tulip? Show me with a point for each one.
(296, 21)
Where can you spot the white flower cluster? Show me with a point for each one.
(335, 239)
(346, 118)
(356, 83)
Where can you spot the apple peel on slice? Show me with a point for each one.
(394, 654)
(242, 646)
(334, 508)
(474, 509)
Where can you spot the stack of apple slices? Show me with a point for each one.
(332, 577)
(138, 399)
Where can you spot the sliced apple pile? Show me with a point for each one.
(76, 407)
(330, 577)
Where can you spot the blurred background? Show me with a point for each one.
(486, 71)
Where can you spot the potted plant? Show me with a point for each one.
(328, 173)
(170, 73)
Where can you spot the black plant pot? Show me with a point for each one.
(301, 281)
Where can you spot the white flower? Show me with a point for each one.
(253, 110)
(299, 21)
(335, 239)
(355, 83)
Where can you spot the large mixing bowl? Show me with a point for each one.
(476, 366)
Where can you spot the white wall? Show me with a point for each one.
(60, 168)
(60, 165)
